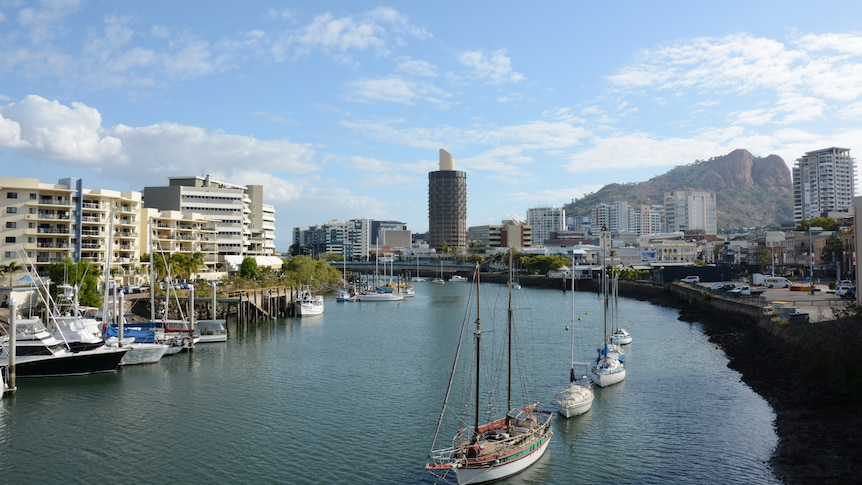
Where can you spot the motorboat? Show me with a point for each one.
(39, 354)
(309, 304)
(211, 330)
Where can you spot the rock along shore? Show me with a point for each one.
(810, 374)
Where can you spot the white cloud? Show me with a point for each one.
(73, 135)
(415, 67)
(50, 130)
(494, 67)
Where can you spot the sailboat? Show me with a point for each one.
(609, 366)
(439, 280)
(502, 447)
(577, 397)
(378, 293)
(417, 278)
(620, 336)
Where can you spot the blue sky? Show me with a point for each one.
(339, 108)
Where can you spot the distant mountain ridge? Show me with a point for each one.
(749, 191)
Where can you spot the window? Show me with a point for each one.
(32, 196)
(9, 254)
(10, 239)
(11, 210)
(10, 225)
(11, 195)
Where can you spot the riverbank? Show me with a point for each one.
(810, 375)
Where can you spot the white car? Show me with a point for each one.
(691, 279)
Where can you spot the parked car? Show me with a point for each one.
(716, 286)
(691, 279)
(747, 290)
(728, 287)
(850, 294)
(843, 289)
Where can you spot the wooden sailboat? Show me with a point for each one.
(501, 447)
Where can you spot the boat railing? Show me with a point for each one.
(441, 458)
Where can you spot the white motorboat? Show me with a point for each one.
(211, 330)
(457, 278)
(308, 304)
(380, 296)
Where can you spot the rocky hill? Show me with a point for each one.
(749, 191)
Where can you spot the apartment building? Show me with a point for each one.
(246, 226)
(824, 182)
(544, 221)
(690, 210)
(490, 239)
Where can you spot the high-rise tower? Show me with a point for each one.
(824, 181)
(447, 205)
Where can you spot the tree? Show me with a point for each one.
(81, 274)
(10, 269)
(833, 250)
(249, 268)
(827, 223)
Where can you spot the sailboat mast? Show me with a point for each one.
(509, 337)
(572, 371)
(478, 351)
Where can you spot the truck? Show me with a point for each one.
(758, 279)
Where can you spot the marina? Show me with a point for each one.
(315, 400)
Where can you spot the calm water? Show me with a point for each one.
(353, 396)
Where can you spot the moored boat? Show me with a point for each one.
(308, 304)
(502, 447)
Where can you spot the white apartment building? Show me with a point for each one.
(170, 232)
(824, 181)
(351, 238)
(246, 226)
(645, 219)
(47, 223)
(690, 210)
(543, 221)
(490, 239)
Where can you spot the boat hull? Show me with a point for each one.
(574, 401)
(605, 379)
(480, 474)
(69, 364)
(309, 309)
(144, 354)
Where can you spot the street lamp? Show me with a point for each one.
(811, 256)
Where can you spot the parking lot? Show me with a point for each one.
(820, 306)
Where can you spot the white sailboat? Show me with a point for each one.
(577, 397)
(620, 336)
(609, 366)
(439, 280)
(376, 294)
(417, 278)
(484, 452)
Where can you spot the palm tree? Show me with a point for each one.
(10, 269)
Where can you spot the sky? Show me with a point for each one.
(339, 108)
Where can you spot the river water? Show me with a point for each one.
(353, 396)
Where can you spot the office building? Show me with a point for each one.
(447, 205)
